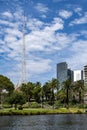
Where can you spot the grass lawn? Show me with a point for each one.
(39, 111)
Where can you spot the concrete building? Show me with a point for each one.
(77, 75)
(85, 75)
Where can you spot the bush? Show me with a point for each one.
(26, 105)
(79, 112)
(31, 105)
(20, 108)
(35, 105)
(7, 106)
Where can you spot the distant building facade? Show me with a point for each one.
(63, 73)
(70, 74)
(85, 75)
(77, 75)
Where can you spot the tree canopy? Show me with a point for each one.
(5, 83)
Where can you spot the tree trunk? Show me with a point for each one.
(67, 97)
(15, 106)
(80, 98)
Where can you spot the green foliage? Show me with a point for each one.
(61, 96)
(5, 83)
(66, 87)
(20, 107)
(27, 89)
(32, 105)
(16, 98)
(71, 94)
(35, 105)
(37, 92)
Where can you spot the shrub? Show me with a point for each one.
(35, 105)
(20, 108)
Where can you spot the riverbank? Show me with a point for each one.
(41, 111)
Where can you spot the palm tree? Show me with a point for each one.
(54, 84)
(46, 91)
(66, 87)
(79, 88)
(37, 91)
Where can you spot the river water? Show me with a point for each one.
(44, 122)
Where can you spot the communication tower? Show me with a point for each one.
(23, 52)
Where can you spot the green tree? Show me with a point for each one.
(79, 86)
(66, 87)
(73, 93)
(54, 86)
(28, 89)
(37, 92)
(17, 98)
(5, 83)
(6, 88)
(46, 91)
(61, 96)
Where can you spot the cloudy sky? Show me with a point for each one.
(56, 31)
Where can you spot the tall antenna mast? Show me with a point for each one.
(24, 52)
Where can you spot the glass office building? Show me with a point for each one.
(62, 74)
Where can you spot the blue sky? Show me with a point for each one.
(56, 31)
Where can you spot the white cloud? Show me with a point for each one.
(84, 33)
(7, 14)
(81, 20)
(43, 16)
(34, 24)
(42, 8)
(4, 22)
(78, 10)
(79, 54)
(38, 66)
(10, 39)
(65, 40)
(65, 14)
(41, 37)
(13, 32)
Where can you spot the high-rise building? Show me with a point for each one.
(70, 74)
(63, 73)
(77, 75)
(85, 75)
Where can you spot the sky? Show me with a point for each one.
(55, 31)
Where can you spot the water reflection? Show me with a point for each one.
(44, 122)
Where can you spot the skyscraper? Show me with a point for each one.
(62, 74)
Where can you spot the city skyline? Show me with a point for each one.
(56, 31)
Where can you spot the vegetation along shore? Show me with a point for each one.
(35, 99)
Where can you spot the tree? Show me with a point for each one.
(16, 98)
(66, 87)
(54, 85)
(37, 92)
(47, 91)
(5, 83)
(73, 93)
(28, 89)
(79, 88)
(61, 96)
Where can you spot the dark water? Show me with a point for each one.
(44, 122)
